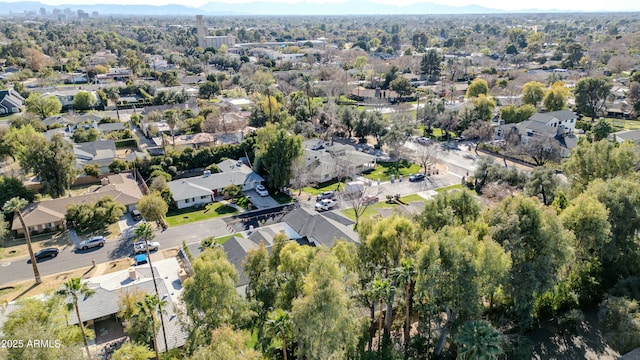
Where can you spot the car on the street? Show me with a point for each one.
(96, 241)
(46, 253)
(261, 190)
(140, 259)
(141, 246)
(325, 205)
(326, 195)
(136, 215)
(370, 199)
(423, 140)
(416, 177)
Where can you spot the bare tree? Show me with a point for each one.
(542, 150)
(428, 154)
(301, 175)
(359, 201)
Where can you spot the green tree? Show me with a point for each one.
(621, 321)
(152, 207)
(306, 84)
(477, 87)
(226, 344)
(556, 98)
(430, 64)
(43, 106)
(15, 205)
(117, 166)
(134, 325)
(405, 275)
(543, 182)
(280, 326)
(208, 89)
(81, 135)
(478, 340)
(53, 162)
(483, 106)
(172, 117)
(601, 130)
(511, 114)
(324, 313)
(402, 86)
(27, 118)
(147, 309)
(113, 94)
(73, 289)
(42, 319)
(277, 150)
(539, 247)
(598, 160)
(11, 187)
(210, 295)
(90, 216)
(84, 100)
(591, 95)
(132, 351)
(92, 170)
(449, 208)
(532, 93)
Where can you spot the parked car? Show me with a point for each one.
(423, 140)
(136, 215)
(140, 259)
(141, 246)
(416, 177)
(325, 204)
(96, 241)
(46, 253)
(370, 199)
(261, 190)
(326, 195)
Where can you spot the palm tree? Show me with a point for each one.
(145, 231)
(14, 205)
(113, 94)
(171, 117)
(147, 310)
(405, 274)
(478, 340)
(74, 288)
(279, 324)
(380, 290)
(306, 83)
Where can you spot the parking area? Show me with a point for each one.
(261, 202)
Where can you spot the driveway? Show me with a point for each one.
(261, 202)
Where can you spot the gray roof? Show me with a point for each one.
(627, 135)
(561, 115)
(200, 186)
(11, 98)
(319, 228)
(107, 127)
(101, 152)
(236, 249)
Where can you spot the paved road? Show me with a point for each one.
(18, 269)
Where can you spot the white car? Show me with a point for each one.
(261, 190)
(325, 204)
(141, 246)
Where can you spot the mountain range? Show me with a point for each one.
(349, 7)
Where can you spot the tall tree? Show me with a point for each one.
(543, 182)
(152, 207)
(16, 204)
(430, 64)
(84, 100)
(477, 87)
(145, 232)
(210, 295)
(279, 325)
(53, 162)
(324, 314)
(556, 98)
(148, 307)
(591, 95)
(43, 106)
(227, 344)
(172, 117)
(277, 150)
(132, 351)
(113, 94)
(532, 93)
(539, 246)
(306, 84)
(405, 275)
(74, 288)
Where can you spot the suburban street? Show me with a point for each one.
(12, 270)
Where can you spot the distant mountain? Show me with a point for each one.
(350, 7)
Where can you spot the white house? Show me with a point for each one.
(201, 190)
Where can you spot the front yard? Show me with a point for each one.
(384, 170)
(322, 187)
(383, 204)
(189, 215)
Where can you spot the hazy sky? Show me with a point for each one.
(577, 5)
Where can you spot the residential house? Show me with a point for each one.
(626, 136)
(201, 190)
(99, 311)
(101, 152)
(114, 74)
(66, 97)
(50, 215)
(374, 96)
(324, 164)
(11, 102)
(556, 125)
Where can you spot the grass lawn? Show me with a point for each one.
(373, 208)
(448, 188)
(244, 202)
(282, 198)
(325, 186)
(383, 171)
(189, 215)
(625, 124)
(223, 239)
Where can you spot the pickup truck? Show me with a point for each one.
(141, 247)
(325, 205)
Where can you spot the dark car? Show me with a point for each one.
(46, 253)
(136, 215)
(416, 177)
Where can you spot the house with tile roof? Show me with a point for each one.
(201, 190)
(49, 215)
